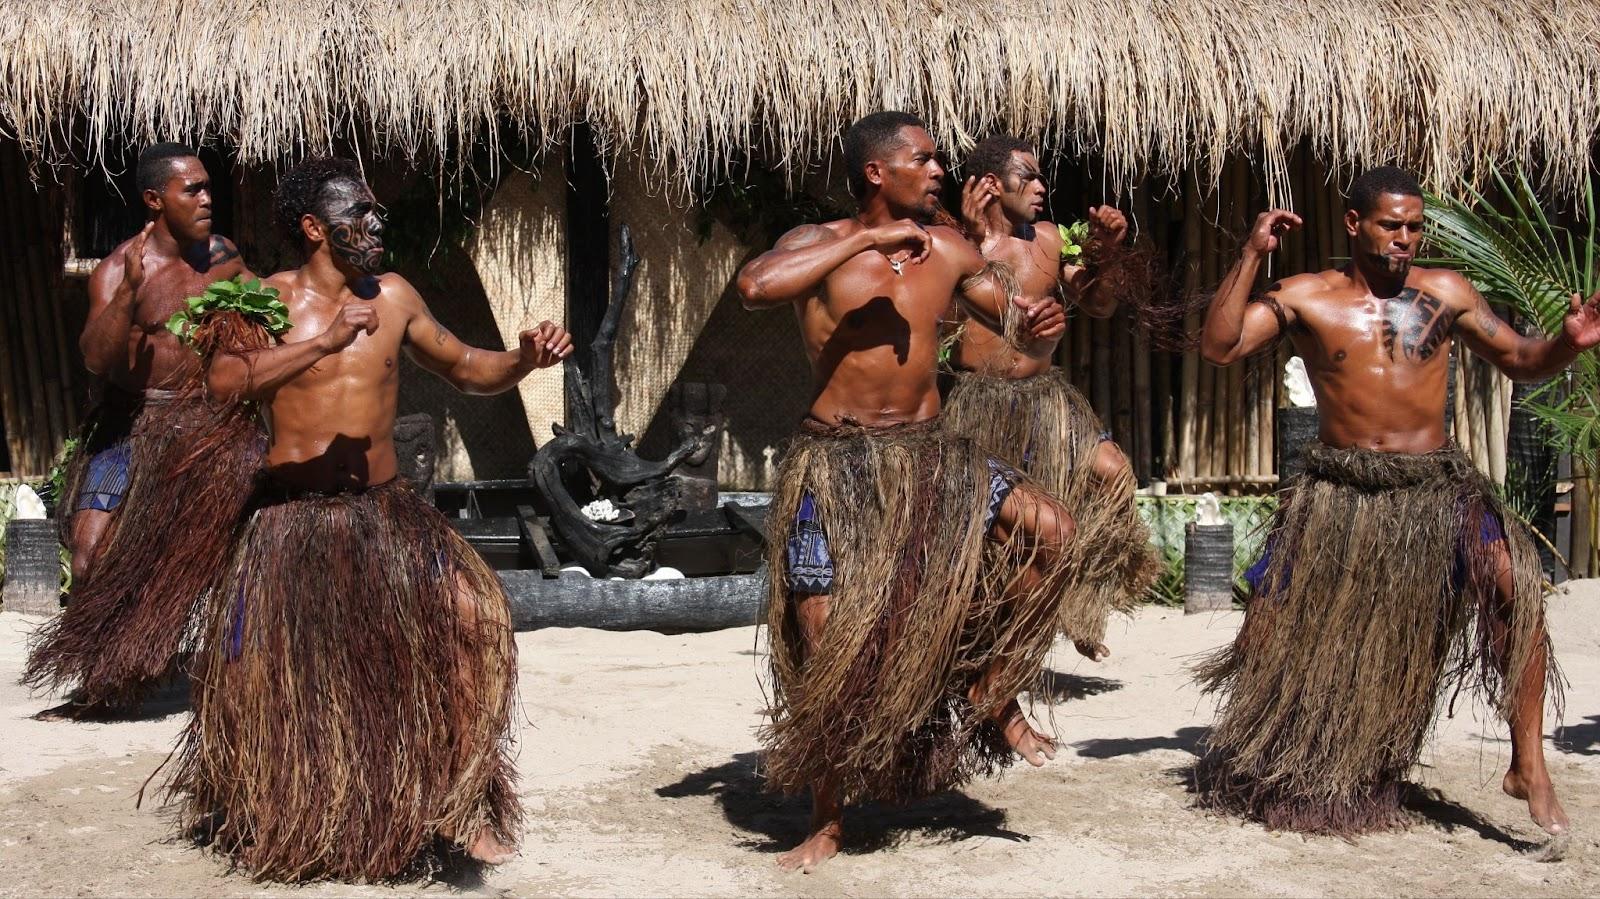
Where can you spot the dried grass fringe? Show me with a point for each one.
(348, 718)
(919, 611)
(1330, 687)
(192, 466)
(689, 89)
(1112, 562)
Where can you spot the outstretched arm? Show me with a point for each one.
(794, 269)
(257, 375)
(1235, 328)
(1109, 228)
(471, 369)
(1523, 358)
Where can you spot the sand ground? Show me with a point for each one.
(638, 763)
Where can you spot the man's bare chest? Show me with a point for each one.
(1036, 266)
(166, 290)
(1412, 327)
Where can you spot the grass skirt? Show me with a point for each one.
(353, 693)
(192, 468)
(920, 610)
(1046, 427)
(1378, 598)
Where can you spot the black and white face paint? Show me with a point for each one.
(355, 232)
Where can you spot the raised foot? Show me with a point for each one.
(488, 849)
(1094, 652)
(1543, 806)
(1034, 747)
(818, 848)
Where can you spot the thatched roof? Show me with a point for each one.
(1151, 85)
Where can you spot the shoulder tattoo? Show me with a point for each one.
(222, 250)
(804, 236)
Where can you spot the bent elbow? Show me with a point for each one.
(1215, 354)
(752, 291)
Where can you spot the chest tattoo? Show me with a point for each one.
(1415, 324)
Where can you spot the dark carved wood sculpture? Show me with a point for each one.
(599, 463)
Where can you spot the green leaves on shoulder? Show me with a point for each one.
(1074, 238)
(248, 298)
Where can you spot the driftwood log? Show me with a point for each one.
(593, 459)
(681, 605)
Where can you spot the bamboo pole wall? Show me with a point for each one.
(1176, 417)
(38, 360)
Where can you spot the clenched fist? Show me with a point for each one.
(545, 345)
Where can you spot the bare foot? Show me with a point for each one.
(818, 848)
(1094, 652)
(1034, 747)
(1543, 806)
(488, 849)
(76, 708)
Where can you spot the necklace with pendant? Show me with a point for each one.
(896, 264)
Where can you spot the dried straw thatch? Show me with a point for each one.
(1151, 85)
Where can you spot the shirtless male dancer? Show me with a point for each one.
(1010, 398)
(914, 586)
(1331, 686)
(363, 651)
(144, 528)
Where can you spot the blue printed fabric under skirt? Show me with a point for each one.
(107, 479)
(809, 567)
(1489, 531)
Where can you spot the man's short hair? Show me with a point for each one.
(1374, 183)
(300, 191)
(156, 164)
(992, 156)
(871, 137)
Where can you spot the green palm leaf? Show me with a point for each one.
(1526, 264)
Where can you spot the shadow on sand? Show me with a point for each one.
(778, 823)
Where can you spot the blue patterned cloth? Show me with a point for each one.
(107, 479)
(809, 561)
(1489, 531)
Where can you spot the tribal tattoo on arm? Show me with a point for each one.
(1415, 324)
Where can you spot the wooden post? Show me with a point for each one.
(588, 253)
(10, 358)
(1189, 383)
(1581, 535)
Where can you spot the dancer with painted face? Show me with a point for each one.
(1009, 396)
(355, 683)
(159, 474)
(1393, 572)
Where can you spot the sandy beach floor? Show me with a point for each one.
(639, 772)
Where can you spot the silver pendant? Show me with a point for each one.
(895, 264)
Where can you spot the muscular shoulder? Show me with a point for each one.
(222, 252)
(1449, 286)
(953, 245)
(807, 235)
(1307, 287)
(111, 265)
(1047, 235)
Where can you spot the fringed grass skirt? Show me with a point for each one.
(353, 694)
(192, 466)
(1046, 427)
(923, 603)
(1376, 597)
